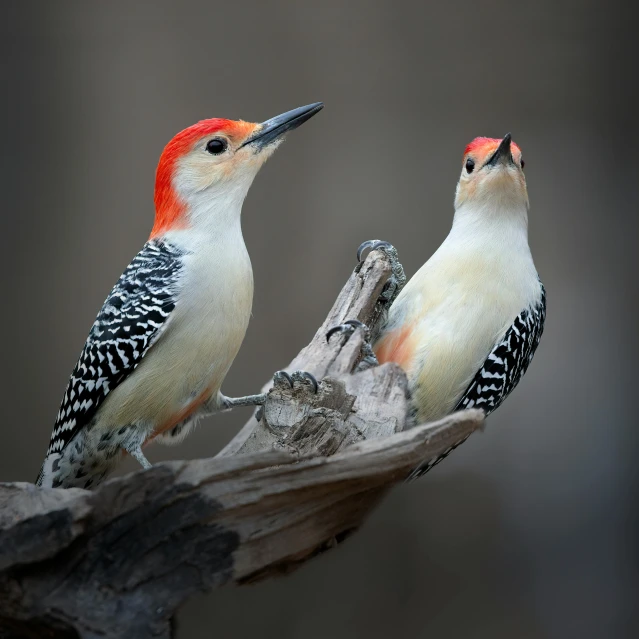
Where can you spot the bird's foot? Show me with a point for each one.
(368, 359)
(226, 403)
(373, 245)
(135, 450)
(282, 379)
(348, 328)
(397, 279)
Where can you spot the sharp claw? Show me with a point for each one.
(336, 329)
(347, 325)
(285, 375)
(374, 245)
(312, 380)
(362, 247)
(355, 323)
(382, 245)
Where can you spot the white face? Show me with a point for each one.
(488, 183)
(219, 162)
(205, 171)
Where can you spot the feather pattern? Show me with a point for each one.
(130, 321)
(503, 369)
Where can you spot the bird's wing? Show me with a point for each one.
(502, 370)
(508, 361)
(132, 318)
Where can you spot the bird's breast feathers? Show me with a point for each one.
(189, 363)
(447, 320)
(166, 335)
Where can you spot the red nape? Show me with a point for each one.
(169, 209)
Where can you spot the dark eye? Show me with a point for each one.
(522, 163)
(216, 146)
(470, 165)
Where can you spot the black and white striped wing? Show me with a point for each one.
(508, 361)
(130, 321)
(502, 370)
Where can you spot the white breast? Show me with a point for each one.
(456, 307)
(202, 337)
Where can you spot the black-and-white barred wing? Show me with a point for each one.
(131, 319)
(508, 361)
(502, 370)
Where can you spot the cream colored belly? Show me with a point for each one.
(448, 355)
(444, 325)
(186, 366)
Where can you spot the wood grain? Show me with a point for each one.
(118, 561)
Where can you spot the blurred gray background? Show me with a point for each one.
(529, 530)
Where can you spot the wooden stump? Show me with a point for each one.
(118, 561)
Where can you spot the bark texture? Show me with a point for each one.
(298, 478)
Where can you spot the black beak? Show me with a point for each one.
(280, 124)
(502, 155)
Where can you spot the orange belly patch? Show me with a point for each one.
(182, 415)
(397, 346)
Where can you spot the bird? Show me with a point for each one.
(467, 324)
(168, 332)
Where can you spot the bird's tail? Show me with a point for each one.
(62, 470)
(47, 470)
(425, 466)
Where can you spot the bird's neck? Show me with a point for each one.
(491, 223)
(211, 214)
(212, 217)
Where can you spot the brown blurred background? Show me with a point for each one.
(530, 529)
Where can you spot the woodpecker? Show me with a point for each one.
(168, 332)
(466, 326)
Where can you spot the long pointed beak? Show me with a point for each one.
(502, 155)
(276, 127)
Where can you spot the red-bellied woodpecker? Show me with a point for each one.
(466, 326)
(162, 344)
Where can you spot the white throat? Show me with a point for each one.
(216, 210)
(504, 223)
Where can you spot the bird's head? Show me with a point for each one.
(211, 165)
(492, 175)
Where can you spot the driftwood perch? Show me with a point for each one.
(118, 561)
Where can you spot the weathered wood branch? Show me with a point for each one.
(118, 561)
(370, 403)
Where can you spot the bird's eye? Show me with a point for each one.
(470, 165)
(216, 146)
(522, 162)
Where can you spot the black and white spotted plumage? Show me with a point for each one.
(508, 361)
(130, 321)
(503, 369)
